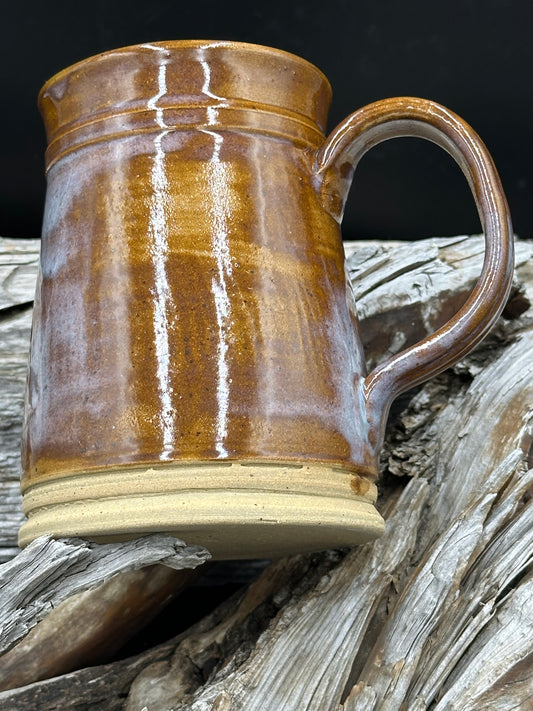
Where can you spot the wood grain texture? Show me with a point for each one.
(49, 571)
(435, 615)
(19, 261)
(90, 627)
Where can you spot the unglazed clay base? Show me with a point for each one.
(235, 510)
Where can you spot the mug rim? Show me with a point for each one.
(186, 44)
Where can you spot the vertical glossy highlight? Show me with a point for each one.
(158, 232)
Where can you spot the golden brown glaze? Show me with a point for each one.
(335, 163)
(193, 297)
(193, 304)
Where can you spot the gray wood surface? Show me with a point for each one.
(48, 571)
(18, 273)
(438, 614)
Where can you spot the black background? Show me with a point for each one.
(473, 56)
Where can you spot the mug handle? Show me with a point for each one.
(334, 165)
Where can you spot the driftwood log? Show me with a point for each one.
(437, 614)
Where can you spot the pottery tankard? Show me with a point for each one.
(195, 361)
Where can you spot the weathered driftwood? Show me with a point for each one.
(95, 583)
(438, 614)
(18, 273)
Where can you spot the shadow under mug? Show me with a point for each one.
(195, 360)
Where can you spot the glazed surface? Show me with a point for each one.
(192, 302)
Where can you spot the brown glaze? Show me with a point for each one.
(193, 297)
(193, 303)
(408, 116)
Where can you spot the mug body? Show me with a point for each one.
(195, 363)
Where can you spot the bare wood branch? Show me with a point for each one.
(231, 628)
(90, 627)
(48, 571)
(19, 261)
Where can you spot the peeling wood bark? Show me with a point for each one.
(438, 614)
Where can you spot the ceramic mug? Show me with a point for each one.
(195, 360)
